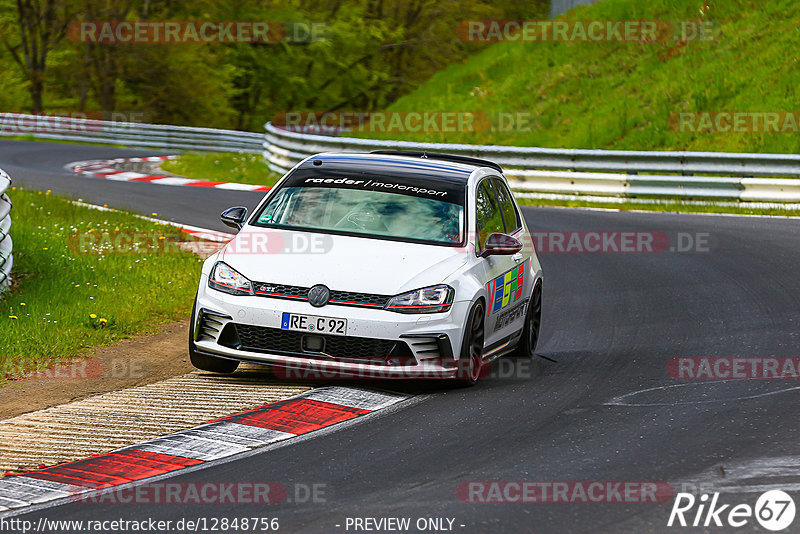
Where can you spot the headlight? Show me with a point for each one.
(225, 278)
(431, 299)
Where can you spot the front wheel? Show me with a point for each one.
(213, 364)
(470, 363)
(533, 322)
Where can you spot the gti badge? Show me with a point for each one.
(318, 296)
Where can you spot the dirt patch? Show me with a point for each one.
(128, 363)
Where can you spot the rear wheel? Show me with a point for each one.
(470, 364)
(533, 322)
(206, 362)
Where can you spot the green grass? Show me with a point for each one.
(223, 167)
(46, 318)
(614, 95)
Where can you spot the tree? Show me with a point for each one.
(42, 25)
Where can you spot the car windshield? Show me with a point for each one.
(381, 214)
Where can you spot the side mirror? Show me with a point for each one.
(234, 217)
(501, 245)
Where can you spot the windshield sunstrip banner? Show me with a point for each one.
(406, 185)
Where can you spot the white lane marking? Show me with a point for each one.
(193, 447)
(753, 475)
(172, 181)
(8, 502)
(239, 434)
(43, 485)
(354, 398)
(13, 488)
(125, 176)
(237, 187)
(620, 400)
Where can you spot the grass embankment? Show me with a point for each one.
(66, 299)
(624, 95)
(223, 167)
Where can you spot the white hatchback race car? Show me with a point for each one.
(381, 265)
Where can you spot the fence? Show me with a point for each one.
(129, 133)
(683, 175)
(6, 259)
(745, 177)
(558, 7)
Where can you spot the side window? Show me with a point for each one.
(488, 217)
(510, 215)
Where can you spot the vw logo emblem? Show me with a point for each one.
(319, 295)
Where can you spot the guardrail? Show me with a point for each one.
(129, 133)
(744, 177)
(684, 175)
(558, 7)
(6, 258)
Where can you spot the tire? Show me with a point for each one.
(533, 322)
(470, 363)
(206, 362)
(213, 364)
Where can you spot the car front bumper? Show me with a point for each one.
(433, 340)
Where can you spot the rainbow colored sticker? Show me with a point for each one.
(505, 289)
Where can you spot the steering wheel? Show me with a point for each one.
(361, 218)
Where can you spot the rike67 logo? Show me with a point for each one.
(774, 510)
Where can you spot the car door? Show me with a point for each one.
(513, 317)
(501, 274)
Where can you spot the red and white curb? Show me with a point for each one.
(223, 438)
(111, 169)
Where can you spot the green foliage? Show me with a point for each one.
(368, 55)
(223, 167)
(625, 95)
(63, 301)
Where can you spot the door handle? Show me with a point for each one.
(517, 257)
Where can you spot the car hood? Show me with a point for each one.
(342, 263)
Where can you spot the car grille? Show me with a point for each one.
(341, 298)
(341, 348)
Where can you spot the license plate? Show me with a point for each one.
(314, 323)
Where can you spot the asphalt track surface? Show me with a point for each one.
(605, 410)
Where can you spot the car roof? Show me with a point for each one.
(395, 164)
